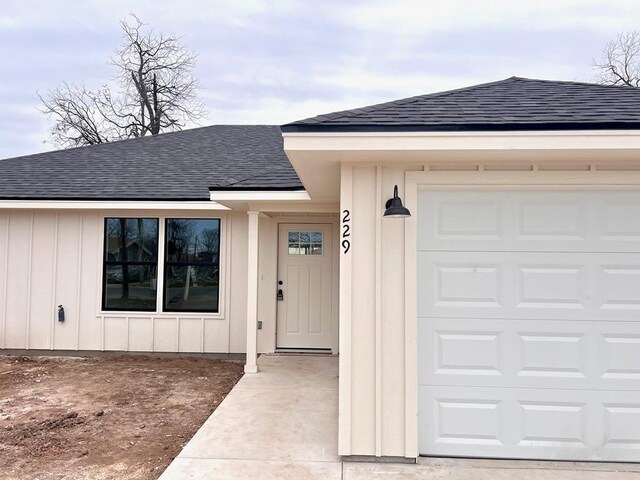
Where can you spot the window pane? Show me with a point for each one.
(193, 240)
(130, 287)
(305, 249)
(131, 240)
(305, 243)
(191, 288)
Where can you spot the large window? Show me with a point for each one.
(191, 265)
(130, 264)
(191, 268)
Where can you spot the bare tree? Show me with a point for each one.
(156, 91)
(620, 62)
(209, 243)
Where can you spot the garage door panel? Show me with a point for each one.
(528, 354)
(548, 219)
(528, 221)
(620, 285)
(554, 285)
(553, 424)
(618, 218)
(620, 357)
(621, 426)
(551, 285)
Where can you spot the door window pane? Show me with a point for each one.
(305, 243)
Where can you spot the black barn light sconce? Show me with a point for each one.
(394, 207)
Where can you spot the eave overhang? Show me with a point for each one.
(317, 156)
(259, 195)
(57, 204)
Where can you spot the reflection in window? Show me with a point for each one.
(305, 243)
(130, 264)
(191, 269)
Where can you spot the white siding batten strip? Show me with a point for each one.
(202, 331)
(5, 281)
(126, 329)
(378, 312)
(177, 334)
(102, 332)
(29, 286)
(54, 283)
(153, 333)
(411, 318)
(227, 227)
(79, 277)
(345, 336)
(100, 227)
(251, 365)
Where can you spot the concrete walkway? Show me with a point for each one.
(282, 423)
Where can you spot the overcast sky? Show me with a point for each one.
(279, 61)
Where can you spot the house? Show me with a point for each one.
(500, 319)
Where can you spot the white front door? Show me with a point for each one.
(529, 324)
(304, 286)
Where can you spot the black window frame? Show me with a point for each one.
(167, 263)
(106, 262)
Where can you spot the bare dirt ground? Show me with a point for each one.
(116, 417)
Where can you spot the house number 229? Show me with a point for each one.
(346, 231)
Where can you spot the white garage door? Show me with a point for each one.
(529, 324)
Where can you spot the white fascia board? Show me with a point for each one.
(257, 195)
(518, 140)
(109, 205)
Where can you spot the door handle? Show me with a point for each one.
(280, 295)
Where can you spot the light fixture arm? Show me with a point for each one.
(395, 195)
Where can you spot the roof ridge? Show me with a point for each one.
(404, 101)
(355, 114)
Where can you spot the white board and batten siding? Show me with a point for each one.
(51, 258)
(529, 324)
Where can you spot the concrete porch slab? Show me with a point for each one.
(279, 423)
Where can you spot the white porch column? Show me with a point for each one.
(252, 293)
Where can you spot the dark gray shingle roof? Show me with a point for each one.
(171, 166)
(511, 104)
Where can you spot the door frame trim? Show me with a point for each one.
(474, 180)
(335, 269)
